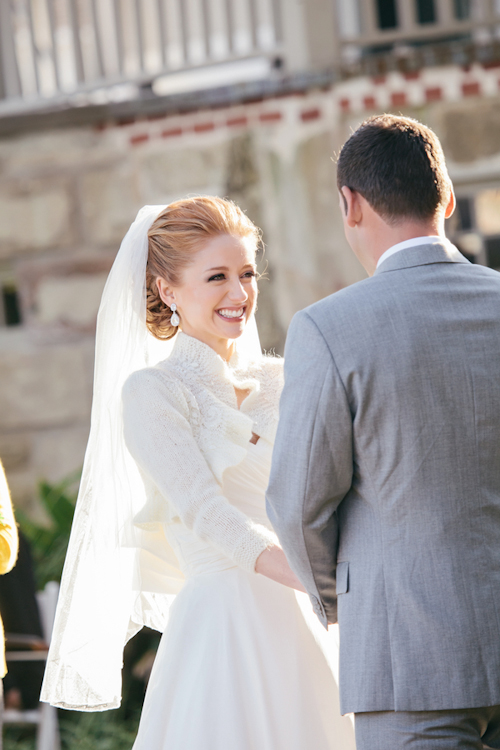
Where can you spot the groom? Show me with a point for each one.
(385, 487)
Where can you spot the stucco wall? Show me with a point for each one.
(67, 197)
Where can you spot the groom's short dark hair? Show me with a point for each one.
(396, 164)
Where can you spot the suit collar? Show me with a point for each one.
(422, 255)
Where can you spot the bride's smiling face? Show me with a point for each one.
(218, 292)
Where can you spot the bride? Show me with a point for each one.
(170, 528)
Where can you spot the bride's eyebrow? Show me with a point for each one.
(225, 268)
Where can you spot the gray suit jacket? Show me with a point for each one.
(385, 486)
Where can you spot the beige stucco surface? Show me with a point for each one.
(67, 198)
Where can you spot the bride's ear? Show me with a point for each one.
(165, 291)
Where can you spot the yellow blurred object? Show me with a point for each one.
(488, 211)
(8, 548)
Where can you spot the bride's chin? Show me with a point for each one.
(234, 330)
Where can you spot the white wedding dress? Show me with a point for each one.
(244, 664)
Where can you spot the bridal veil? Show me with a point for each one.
(117, 576)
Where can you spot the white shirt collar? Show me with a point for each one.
(406, 244)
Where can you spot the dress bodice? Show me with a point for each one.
(244, 486)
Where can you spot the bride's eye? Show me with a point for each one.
(250, 274)
(217, 277)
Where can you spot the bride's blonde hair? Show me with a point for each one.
(175, 236)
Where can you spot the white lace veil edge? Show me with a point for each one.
(104, 599)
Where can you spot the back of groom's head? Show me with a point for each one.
(396, 164)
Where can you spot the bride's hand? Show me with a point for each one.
(273, 564)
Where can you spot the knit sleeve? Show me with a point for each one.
(159, 437)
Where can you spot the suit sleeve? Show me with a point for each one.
(312, 463)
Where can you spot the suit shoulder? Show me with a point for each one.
(354, 293)
(483, 271)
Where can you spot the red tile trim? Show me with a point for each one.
(398, 98)
(171, 132)
(434, 94)
(204, 127)
(270, 116)
(235, 122)
(140, 138)
(472, 88)
(310, 114)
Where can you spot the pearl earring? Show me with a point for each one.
(174, 320)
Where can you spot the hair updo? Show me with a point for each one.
(175, 236)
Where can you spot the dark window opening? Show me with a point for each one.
(11, 306)
(492, 245)
(462, 9)
(426, 11)
(464, 214)
(387, 14)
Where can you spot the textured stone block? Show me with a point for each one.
(59, 453)
(15, 451)
(471, 131)
(42, 385)
(23, 490)
(52, 149)
(35, 215)
(172, 173)
(336, 265)
(73, 300)
(109, 203)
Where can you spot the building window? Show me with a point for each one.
(487, 210)
(492, 247)
(11, 309)
(465, 222)
(462, 9)
(475, 227)
(387, 14)
(426, 11)
(487, 206)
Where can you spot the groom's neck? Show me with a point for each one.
(380, 236)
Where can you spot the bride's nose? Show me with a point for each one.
(237, 292)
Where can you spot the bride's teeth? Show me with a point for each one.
(231, 313)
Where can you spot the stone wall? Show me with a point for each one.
(67, 196)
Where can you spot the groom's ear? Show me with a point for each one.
(344, 201)
(451, 204)
(352, 208)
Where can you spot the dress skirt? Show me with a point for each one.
(243, 664)
(239, 668)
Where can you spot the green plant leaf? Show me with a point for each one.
(49, 543)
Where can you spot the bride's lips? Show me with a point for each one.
(232, 317)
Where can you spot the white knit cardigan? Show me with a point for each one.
(184, 429)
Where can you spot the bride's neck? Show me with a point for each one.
(223, 347)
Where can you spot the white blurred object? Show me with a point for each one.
(223, 74)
